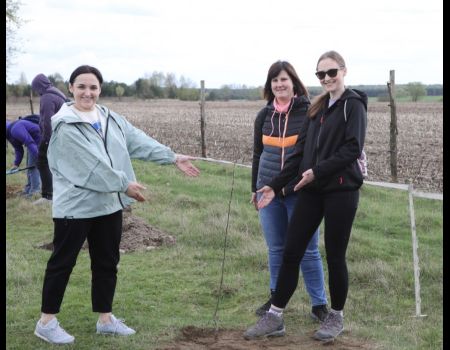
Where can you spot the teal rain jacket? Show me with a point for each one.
(91, 173)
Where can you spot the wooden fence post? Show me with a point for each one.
(202, 117)
(393, 127)
(31, 101)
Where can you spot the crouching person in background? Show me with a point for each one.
(25, 134)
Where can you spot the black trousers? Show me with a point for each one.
(338, 209)
(44, 171)
(103, 234)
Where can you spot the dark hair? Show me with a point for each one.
(319, 101)
(274, 70)
(84, 69)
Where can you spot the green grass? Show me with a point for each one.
(165, 289)
(421, 99)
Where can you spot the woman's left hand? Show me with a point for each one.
(184, 164)
(307, 177)
(134, 191)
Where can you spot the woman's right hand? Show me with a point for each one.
(133, 191)
(267, 195)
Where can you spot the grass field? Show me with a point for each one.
(161, 291)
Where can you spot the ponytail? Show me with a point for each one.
(317, 104)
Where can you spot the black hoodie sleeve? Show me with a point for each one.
(291, 167)
(351, 148)
(257, 146)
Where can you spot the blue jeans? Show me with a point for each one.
(274, 222)
(33, 178)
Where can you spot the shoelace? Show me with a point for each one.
(278, 317)
(328, 323)
(264, 319)
(58, 326)
(119, 323)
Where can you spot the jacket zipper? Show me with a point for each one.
(107, 153)
(318, 140)
(106, 149)
(285, 120)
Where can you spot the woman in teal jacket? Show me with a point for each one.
(89, 155)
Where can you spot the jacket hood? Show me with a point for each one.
(67, 115)
(356, 94)
(41, 84)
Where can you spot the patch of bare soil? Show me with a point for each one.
(193, 338)
(137, 235)
(13, 190)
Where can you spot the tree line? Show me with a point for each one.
(167, 86)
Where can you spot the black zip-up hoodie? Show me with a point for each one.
(330, 144)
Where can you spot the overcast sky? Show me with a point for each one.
(231, 41)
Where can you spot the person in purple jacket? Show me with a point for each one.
(50, 102)
(22, 133)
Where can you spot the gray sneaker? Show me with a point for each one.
(115, 327)
(269, 325)
(53, 333)
(331, 327)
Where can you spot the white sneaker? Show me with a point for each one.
(53, 333)
(42, 201)
(116, 326)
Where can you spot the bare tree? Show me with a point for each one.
(13, 23)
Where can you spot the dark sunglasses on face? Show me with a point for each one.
(330, 72)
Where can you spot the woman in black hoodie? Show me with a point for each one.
(330, 141)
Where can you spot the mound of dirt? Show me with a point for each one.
(137, 235)
(193, 338)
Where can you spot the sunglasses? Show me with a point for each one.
(330, 72)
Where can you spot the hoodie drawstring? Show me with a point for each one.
(284, 132)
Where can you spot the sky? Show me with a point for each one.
(231, 42)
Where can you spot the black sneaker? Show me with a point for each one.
(319, 313)
(261, 311)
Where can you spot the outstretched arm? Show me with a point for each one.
(183, 163)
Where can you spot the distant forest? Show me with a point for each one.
(160, 85)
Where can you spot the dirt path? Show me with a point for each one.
(192, 338)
